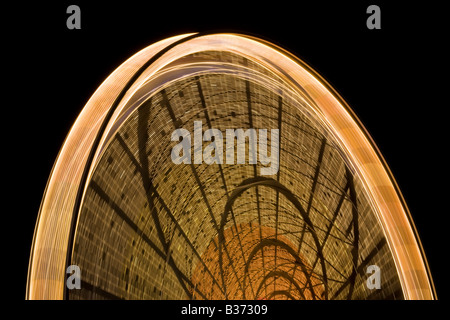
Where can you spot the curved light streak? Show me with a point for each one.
(51, 240)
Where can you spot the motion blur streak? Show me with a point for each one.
(51, 243)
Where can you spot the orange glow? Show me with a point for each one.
(51, 239)
(256, 264)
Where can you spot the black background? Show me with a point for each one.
(389, 77)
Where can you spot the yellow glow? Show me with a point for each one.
(49, 251)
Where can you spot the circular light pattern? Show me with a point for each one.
(140, 226)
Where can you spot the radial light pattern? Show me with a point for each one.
(142, 227)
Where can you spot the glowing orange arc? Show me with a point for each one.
(51, 240)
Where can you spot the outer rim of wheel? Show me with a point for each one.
(408, 258)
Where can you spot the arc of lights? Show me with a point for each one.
(113, 100)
